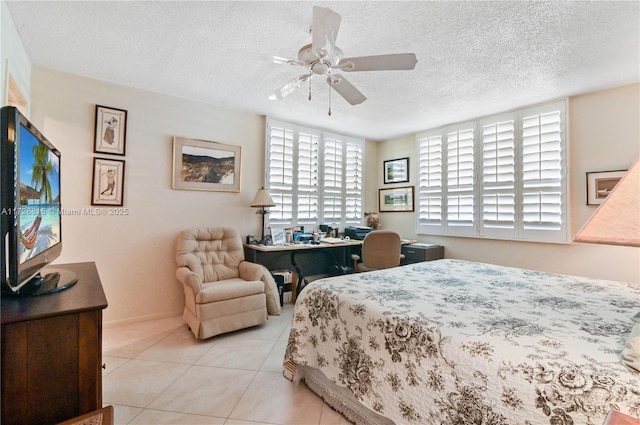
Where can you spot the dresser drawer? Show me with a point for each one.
(418, 253)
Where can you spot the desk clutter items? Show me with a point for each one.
(284, 279)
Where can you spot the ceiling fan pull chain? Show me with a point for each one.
(310, 75)
(330, 87)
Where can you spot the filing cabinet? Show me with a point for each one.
(415, 253)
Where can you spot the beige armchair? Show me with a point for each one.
(222, 292)
(381, 249)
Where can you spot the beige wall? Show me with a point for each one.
(604, 135)
(135, 253)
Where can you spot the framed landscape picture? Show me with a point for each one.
(397, 199)
(203, 165)
(396, 170)
(110, 131)
(600, 184)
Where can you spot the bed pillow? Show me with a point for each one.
(631, 352)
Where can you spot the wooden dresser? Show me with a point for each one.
(52, 352)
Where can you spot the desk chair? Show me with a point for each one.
(380, 250)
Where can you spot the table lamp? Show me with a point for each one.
(262, 200)
(617, 220)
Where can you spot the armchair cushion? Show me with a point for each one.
(228, 289)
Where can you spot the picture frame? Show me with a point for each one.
(397, 199)
(204, 165)
(107, 186)
(600, 184)
(278, 236)
(110, 131)
(396, 170)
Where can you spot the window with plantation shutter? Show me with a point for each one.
(314, 177)
(516, 191)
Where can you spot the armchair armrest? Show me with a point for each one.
(250, 271)
(253, 271)
(189, 278)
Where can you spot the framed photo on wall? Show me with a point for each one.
(397, 199)
(203, 165)
(396, 170)
(111, 130)
(107, 187)
(600, 184)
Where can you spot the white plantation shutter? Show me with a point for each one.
(354, 171)
(517, 190)
(313, 177)
(498, 177)
(460, 180)
(544, 170)
(430, 181)
(280, 164)
(333, 180)
(307, 172)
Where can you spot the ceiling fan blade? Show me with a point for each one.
(243, 54)
(290, 87)
(324, 30)
(393, 62)
(345, 89)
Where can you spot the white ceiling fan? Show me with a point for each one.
(323, 58)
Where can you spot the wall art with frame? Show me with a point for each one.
(111, 130)
(203, 165)
(396, 170)
(397, 199)
(107, 187)
(600, 184)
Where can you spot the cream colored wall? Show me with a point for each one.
(604, 135)
(134, 253)
(15, 61)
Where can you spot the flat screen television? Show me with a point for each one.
(31, 221)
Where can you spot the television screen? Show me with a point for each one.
(39, 196)
(30, 223)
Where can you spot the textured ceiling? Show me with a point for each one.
(474, 58)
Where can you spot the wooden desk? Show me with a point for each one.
(52, 352)
(313, 259)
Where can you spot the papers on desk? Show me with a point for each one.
(332, 240)
(424, 244)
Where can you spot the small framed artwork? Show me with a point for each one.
(396, 170)
(202, 165)
(111, 130)
(278, 236)
(108, 182)
(397, 199)
(600, 184)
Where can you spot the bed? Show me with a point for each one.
(458, 342)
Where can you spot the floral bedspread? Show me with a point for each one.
(457, 342)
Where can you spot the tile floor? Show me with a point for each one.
(158, 373)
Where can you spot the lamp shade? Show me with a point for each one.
(617, 219)
(263, 199)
